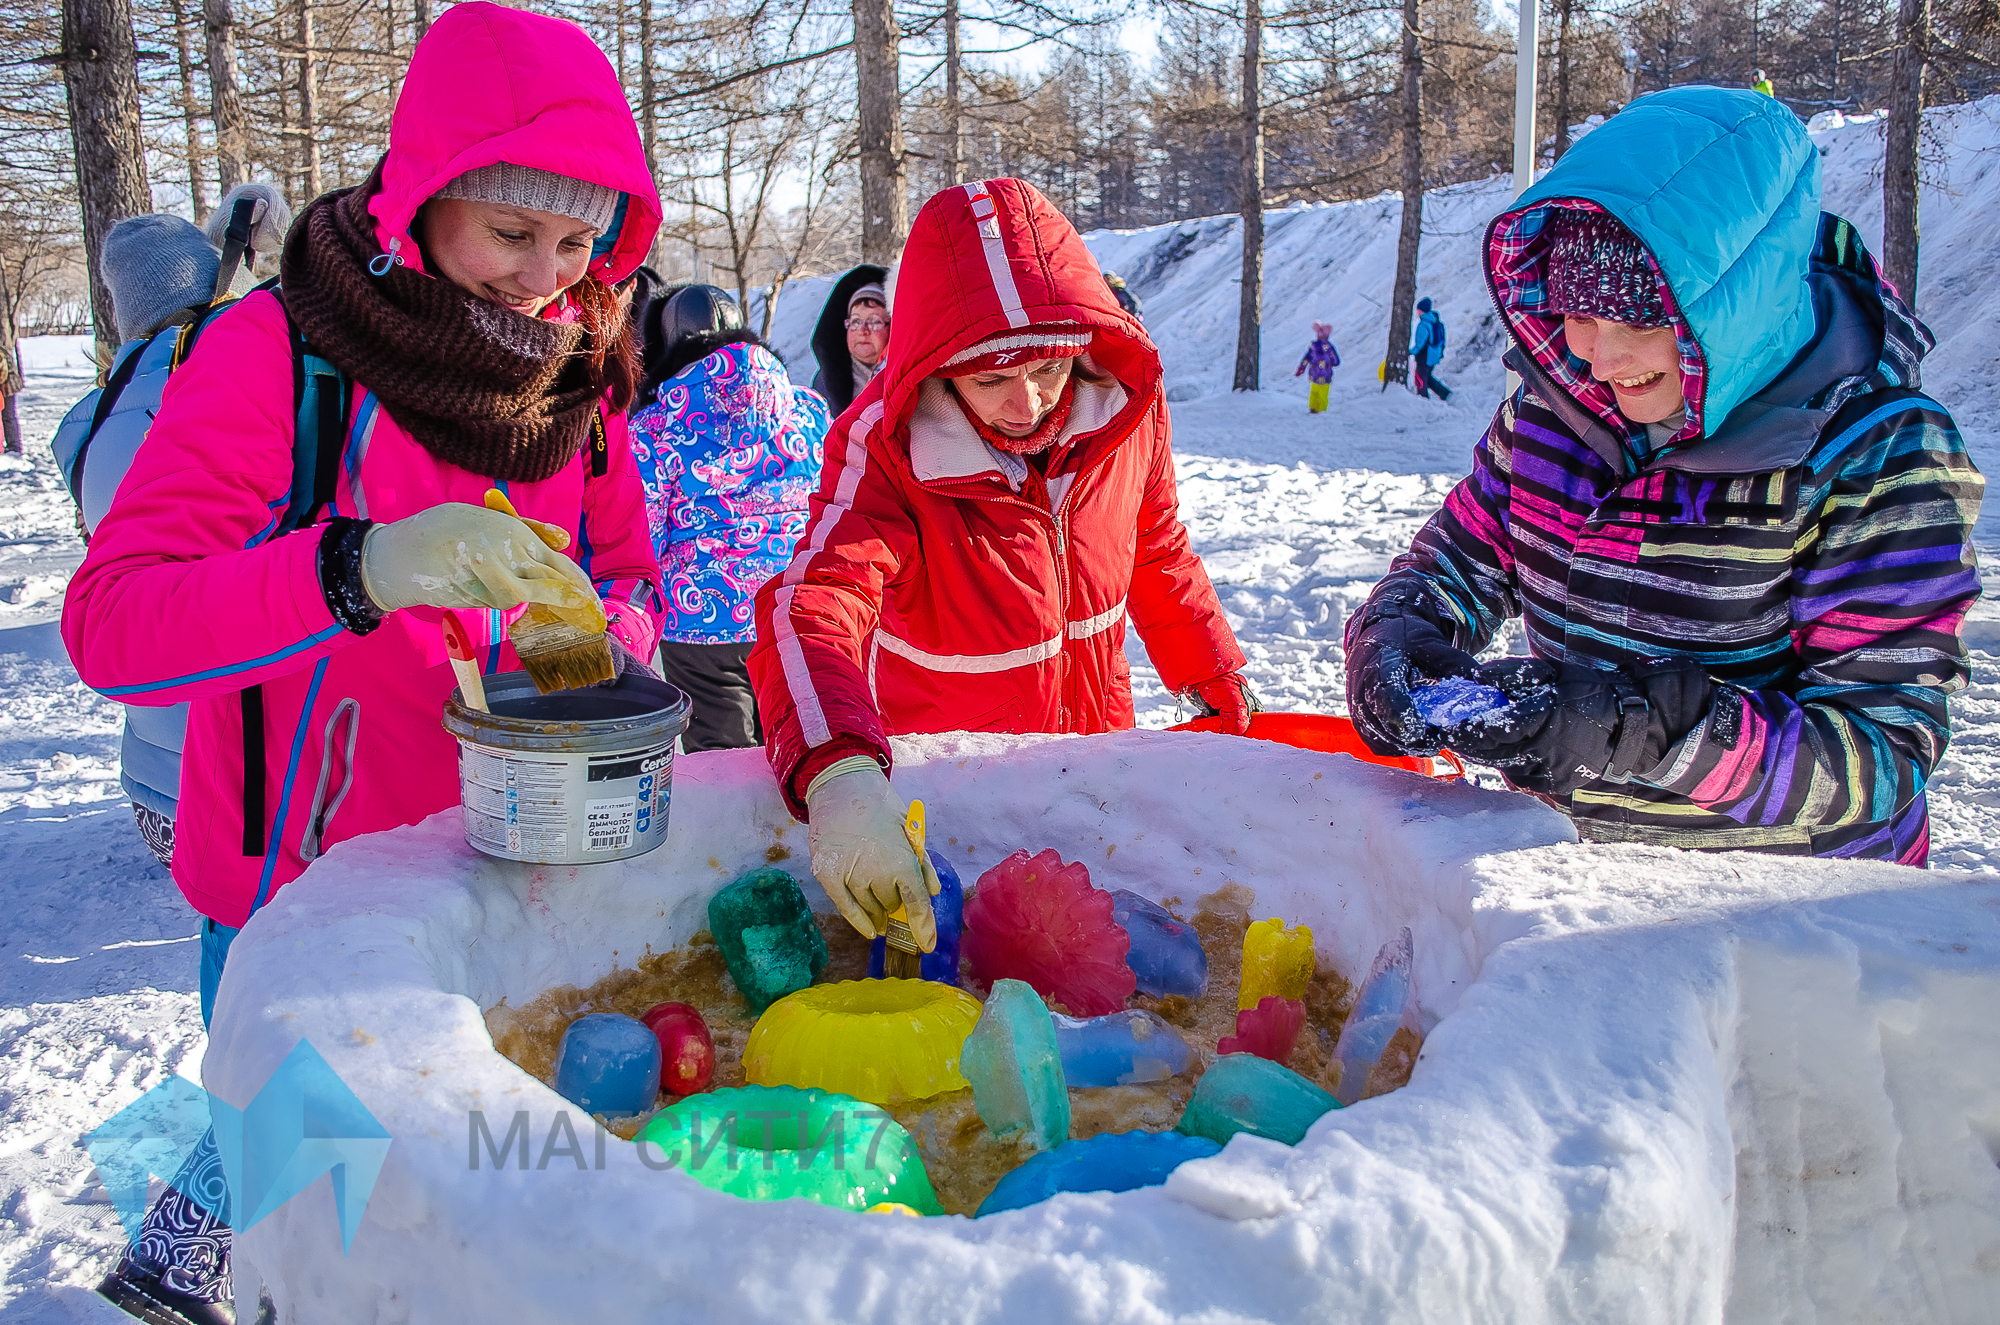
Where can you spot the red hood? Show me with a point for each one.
(992, 255)
(490, 84)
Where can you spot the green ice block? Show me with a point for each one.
(767, 936)
(1245, 1093)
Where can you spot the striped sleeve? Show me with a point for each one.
(815, 619)
(1881, 581)
(1464, 554)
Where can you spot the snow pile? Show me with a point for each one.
(1657, 1086)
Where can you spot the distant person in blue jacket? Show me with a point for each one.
(1426, 348)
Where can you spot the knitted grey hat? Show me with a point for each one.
(541, 190)
(155, 266)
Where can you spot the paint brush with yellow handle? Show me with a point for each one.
(902, 959)
(562, 647)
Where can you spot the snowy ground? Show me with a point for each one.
(1296, 516)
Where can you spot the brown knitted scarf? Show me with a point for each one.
(488, 389)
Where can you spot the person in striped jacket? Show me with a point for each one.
(1736, 529)
(995, 503)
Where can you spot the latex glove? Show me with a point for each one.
(861, 855)
(1386, 659)
(1571, 725)
(1227, 697)
(460, 555)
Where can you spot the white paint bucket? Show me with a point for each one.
(573, 778)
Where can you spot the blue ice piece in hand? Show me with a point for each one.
(1166, 953)
(948, 909)
(1119, 1049)
(1015, 1066)
(1378, 1010)
(608, 1064)
(1113, 1162)
(1457, 700)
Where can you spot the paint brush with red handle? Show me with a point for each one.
(464, 663)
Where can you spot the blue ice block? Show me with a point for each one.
(1166, 953)
(608, 1064)
(1120, 1049)
(1113, 1162)
(1378, 1011)
(1015, 1066)
(948, 909)
(1245, 1093)
(1456, 700)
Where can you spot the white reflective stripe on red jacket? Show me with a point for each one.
(995, 249)
(798, 676)
(999, 662)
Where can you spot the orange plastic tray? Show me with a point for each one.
(1329, 735)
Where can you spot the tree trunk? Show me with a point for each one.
(225, 103)
(1565, 10)
(101, 79)
(1396, 362)
(423, 18)
(954, 103)
(10, 373)
(1899, 165)
(1250, 305)
(649, 113)
(885, 202)
(197, 199)
(308, 107)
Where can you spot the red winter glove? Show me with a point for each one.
(1229, 698)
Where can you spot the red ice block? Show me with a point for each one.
(1037, 920)
(687, 1050)
(1269, 1030)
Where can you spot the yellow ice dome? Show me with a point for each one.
(884, 1041)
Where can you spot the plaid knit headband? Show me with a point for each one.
(1595, 267)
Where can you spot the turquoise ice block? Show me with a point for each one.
(1245, 1093)
(1015, 1066)
(767, 937)
(1120, 1049)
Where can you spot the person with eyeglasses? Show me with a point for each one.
(852, 335)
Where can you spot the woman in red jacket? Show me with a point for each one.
(993, 506)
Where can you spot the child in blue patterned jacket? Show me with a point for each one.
(728, 451)
(1320, 360)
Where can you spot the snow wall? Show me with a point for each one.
(1657, 1086)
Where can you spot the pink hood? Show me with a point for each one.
(490, 84)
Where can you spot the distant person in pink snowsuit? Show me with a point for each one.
(464, 292)
(1319, 362)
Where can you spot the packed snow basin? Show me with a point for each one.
(1656, 1086)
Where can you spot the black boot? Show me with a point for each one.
(177, 1272)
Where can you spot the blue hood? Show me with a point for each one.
(1722, 186)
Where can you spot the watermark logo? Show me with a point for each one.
(304, 1122)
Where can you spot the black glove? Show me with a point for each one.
(626, 662)
(1395, 646)
(1574, 724)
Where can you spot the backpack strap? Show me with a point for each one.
(320, 416)
(107, 397)
(235, 242)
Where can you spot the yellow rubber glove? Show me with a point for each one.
(460, 555)
(861, 854)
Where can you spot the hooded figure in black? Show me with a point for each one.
(837, 376)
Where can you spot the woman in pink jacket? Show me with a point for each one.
(465, 291)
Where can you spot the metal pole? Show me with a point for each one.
(1524, 101)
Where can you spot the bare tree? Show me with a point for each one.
(954, 99)
(885, 201)
(225, 103)
(1250, 305)
(1905, 131)
(309, 176)
(1397, 361)
(101, 80)
(190, 112)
